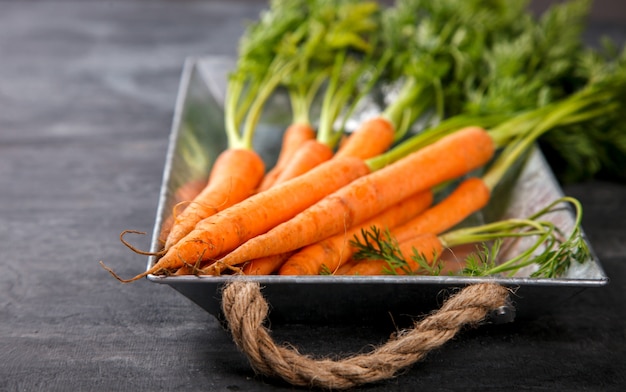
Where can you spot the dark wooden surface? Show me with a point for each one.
(87, 91)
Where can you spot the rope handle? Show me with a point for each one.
(245, 310)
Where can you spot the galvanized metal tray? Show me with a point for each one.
(198, 136)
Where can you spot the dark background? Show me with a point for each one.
(87, 91)
(602, 11)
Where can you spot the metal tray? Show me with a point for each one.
(197, 137)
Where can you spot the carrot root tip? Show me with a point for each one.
(119, 278)
(133, 248)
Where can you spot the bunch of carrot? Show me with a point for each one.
(459, 107)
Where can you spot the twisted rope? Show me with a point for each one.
(245, 310)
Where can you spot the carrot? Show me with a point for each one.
(187, 191)
(255, 215)
(310, 154)
(265, 265)
(429, 245)
(295, 135)
(372, 138)
(471, 195)
(187, 269)
(345, 267)
(332, 252)
(447, 158)
(234, 176)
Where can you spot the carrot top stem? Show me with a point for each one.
(398, 111)
(558, 252)
(585, 105)
(302, 96)
(351, 80)
(240, 132)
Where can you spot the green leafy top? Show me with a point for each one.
(352, 39)
(438, 46)
(332, 28)
(578, 152)
(532, 67)
(541, 76)
(592, 117)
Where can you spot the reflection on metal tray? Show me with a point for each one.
(198, 136)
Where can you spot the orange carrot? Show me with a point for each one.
(372, 138)
(295, 135)
(234, 176)
(187, 269)
(187, 191)
(450, 157)
(265, 265)
(471, 195)
(428, 245)
(332, 252)
(255, 215)
(310, 154)
(345, 267)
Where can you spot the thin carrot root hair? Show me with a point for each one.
(162, 271)
(136, 250)
(221, 267)
(158, 268)
(215, 208)
(170, 221)
(189, 269)
(345, 267)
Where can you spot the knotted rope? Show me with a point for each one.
(245, 310)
